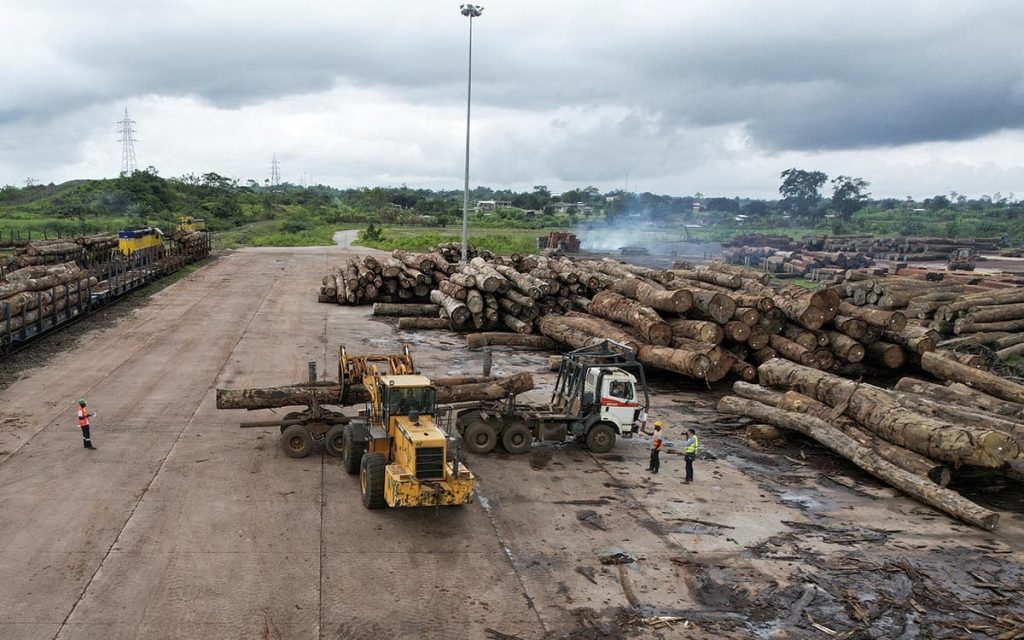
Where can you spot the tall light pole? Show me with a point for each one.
(470, 11)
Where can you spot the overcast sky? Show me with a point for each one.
(711, 96)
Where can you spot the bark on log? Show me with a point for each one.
(498, 339)
(492, 390)
(845, 347)
(758, 338)
(962, 396)
(678, 301)
(853, 327)
(912, 484)
(744, 370)
(690, 363)
(803, 337)
(737, 331)
(404, 310)
(953, 371)
(893, 320)
(792, 351)
(879, 412)
(417, 324)
(747, 315)
(967, 325)
(613, 306)
(886, 354)
(456, 310)
(699, 330)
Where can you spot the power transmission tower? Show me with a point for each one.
(127, 140)
(275, 173)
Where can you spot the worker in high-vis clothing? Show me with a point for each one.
(83, 422)
(656, 446)
(690, 453)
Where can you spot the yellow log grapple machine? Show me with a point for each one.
(398, 451)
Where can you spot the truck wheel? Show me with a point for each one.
(294, 415)
(297, 441)
(601, 438)
(516, 437)
(466, 418)
(371, 480)
(352, 450)
(480, 437)
(334, 442)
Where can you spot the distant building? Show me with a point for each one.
(493, 205)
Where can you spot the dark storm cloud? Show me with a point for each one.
(796, 75)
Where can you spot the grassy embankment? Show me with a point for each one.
(501, 241)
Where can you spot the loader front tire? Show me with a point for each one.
(371, 480)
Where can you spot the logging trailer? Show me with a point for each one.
(597, 396)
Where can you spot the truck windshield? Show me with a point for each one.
(402, 400)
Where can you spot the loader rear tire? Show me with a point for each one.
(371, 480)
(601, 438)
(516, 437)
(352, 450)
(480, 437)
(297, 441)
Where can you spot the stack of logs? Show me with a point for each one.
(914, 437)
(952, 310)
(897, 248)
(703, 323)
(31, 293)
(803, 263)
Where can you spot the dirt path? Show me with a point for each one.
(182, 525)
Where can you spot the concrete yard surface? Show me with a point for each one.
(183, 525)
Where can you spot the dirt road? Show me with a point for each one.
(182, 525)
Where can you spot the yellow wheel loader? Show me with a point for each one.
(401, 456)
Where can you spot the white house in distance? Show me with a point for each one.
(493, 205)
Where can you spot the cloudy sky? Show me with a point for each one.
(708, 96)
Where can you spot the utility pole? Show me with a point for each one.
(127, 140)
(470, 11)
(275, 173)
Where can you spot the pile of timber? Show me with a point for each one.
(957, 309)
(403, 277)
(32, 293)
(902, 248)
(783, 242)
(807, 263)
(563, 241)
(452, 252)
(914, 437)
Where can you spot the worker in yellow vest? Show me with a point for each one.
(690, 453)
(83, 423)
(656, 445)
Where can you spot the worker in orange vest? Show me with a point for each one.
(656, 445)
(83, 422)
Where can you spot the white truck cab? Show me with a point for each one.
(620, 404)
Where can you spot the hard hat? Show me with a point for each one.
(658, 423)
(82, 402)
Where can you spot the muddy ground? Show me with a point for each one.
(182, 525)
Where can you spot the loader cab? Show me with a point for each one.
(407, 395)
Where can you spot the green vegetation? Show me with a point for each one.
(507, 221)
(505, 241)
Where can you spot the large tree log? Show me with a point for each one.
(688, 362)
(803, 337)
(456, 310)
(699, 330)
(914, 337)
(496, 339)
(747, 315)
(492, 390)
(758, 338)
(879, 412)
(947, 369)
(792, 351)
(845, 347)
(893, 320)
(678, 301)
(910, 483)
(799, 403)
(580, 330)
(417, 324)
(613, 306)
(968, 325)
(961, 395)
(387, 309)
(886, 354)
(737, 331)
